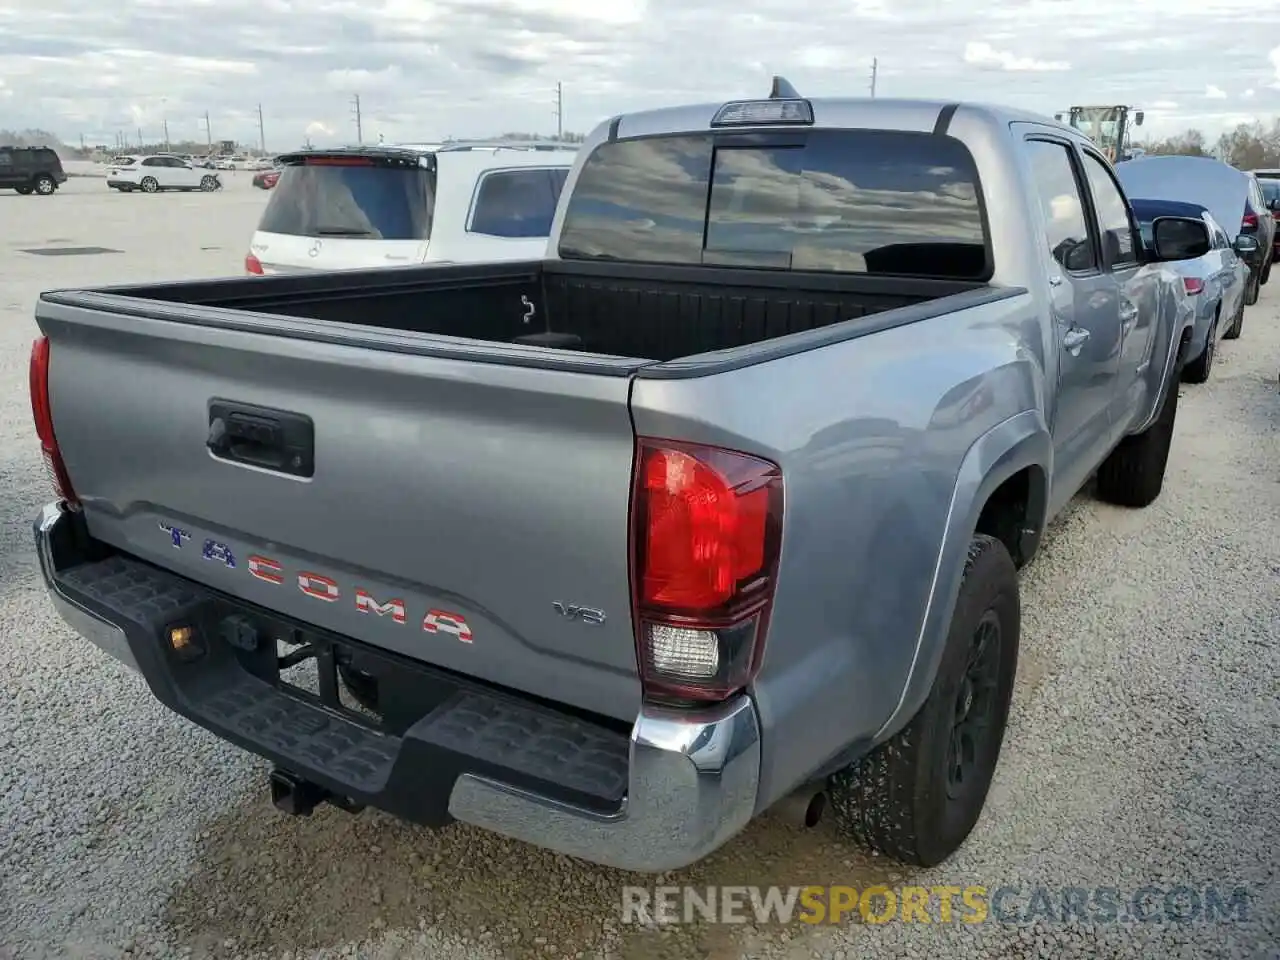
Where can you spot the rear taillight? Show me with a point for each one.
(42, 413)
(1193, 285)
(706, 532)
(252, 265)
(1250, 221)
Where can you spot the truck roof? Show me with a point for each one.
(843, 112)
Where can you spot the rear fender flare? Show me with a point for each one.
(1019, 442)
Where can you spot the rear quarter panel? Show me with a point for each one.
(885, 441)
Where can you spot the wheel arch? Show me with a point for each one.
(1002, 489)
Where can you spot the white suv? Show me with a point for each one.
(388, 206)
(151, 174)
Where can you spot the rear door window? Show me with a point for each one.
(354, 198)
(516, 203)
(859, 201)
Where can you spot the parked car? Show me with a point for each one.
(360, 207)
(1270, 187)
(719, 504)
(1260, 223)
(266, 179)
(1230, 195)
(1215, 282)
(155, 173)
(31, 170)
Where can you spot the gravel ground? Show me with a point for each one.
(1142, 750)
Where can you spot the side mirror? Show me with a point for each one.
(1179, 238)
(1245, 245)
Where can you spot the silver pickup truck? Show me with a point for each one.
(716, 509)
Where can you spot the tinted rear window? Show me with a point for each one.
(360, 202)
(879, 202)
(1270, 189)
(517, 203)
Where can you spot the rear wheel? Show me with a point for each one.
(917, 797)
(1251, 291)
(44, 185)
(1133, 475)
(150, 185)
(1197, 371)
(207, 183)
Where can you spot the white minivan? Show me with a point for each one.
(386, 206)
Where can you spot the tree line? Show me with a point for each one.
(1250, 146)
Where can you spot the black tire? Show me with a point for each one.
(907, 799)
(1133, 475)
(1251, 290)
(25, 191)
(1266, 272)
(44, 185)
(150, 185)
(1198, 370)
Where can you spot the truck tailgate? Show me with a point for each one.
(458, 512)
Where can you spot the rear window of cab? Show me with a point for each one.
(878, 202)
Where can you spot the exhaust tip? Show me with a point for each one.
(804, 808)
(816, 808)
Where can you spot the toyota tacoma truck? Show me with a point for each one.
(719, 505)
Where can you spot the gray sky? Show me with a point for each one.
(426, 69)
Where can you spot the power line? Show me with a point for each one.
(355, 108)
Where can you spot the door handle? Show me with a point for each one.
(1074, 339)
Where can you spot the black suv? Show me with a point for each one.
(30, 170)
(1258, 222)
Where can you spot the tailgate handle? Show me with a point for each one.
(274, 440)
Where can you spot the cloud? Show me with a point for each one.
(981, 54)
(426, 69)
(1215, 93)
(1165, 105)
(1249, 94)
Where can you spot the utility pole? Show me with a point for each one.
(139, 138)
(559, 110)
(166, 134)
(262, 134)
(355, 108)
(875, 68)
(208, 131)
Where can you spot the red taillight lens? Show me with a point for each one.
(252, 265)
(42, 414)
(706, 535)
(1193, 285)
(1250, 220)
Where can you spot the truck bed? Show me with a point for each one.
(647, 312)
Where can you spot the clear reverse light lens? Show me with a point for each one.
(679, 652)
